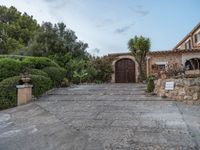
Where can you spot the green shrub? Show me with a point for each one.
(16, 57)
(6, 103)
(40, 84)
(150, 85)
(75, 65)
(38, 62)
(56, 74)
(37, 72)
(9, 67)
(60, 59)
(13, 65)
(8, 92)
(80, 76)
(103, 68)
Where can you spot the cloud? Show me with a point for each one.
(56, 4)
(49, 0)
(139, 9)
(123, 29)
(104, 22)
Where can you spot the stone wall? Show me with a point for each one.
(186, 89)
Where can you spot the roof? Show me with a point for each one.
(174, 51)
(119, 54)
(188, 35)
(160, 52)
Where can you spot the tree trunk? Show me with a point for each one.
(141, 69)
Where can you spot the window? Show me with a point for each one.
(188, 45)
(197, 37)
(161, 67)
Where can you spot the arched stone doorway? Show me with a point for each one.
(121, 57)
(125, 71)
(193, 64)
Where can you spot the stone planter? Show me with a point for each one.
(26, 80)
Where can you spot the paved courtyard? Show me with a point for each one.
(101, 117)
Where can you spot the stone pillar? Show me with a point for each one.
(24, 94)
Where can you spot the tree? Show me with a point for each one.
(139, 47)
(21, 34)
(16, 29)
(57, 40)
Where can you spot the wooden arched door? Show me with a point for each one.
(125, 71)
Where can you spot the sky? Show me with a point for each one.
(107, 25)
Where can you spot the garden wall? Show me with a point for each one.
(185, 89)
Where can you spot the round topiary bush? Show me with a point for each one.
(9, 67)
(56, 74)
(40, 84)
(37, 72)
(8, 92)
(38, 62)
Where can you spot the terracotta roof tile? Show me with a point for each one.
(174, 51)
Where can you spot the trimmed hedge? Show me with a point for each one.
(46, 62)
(8, 92)
(6, 103)
(44, 74)
(56, 74)
(15, 65)
(38, 62)
(9, 68)
(40, 84)
(37, 72)
(16, 57)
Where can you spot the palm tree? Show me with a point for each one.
(139, 47)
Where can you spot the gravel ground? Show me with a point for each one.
(101, 117)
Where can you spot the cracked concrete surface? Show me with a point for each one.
(101, 117)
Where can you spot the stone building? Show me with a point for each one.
(159, 60)
(190, 41)
(185, 54)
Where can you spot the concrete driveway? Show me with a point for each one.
(100, 117)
